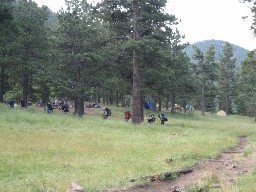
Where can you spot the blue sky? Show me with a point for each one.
(203, 20)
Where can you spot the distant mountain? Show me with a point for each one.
(239, 53)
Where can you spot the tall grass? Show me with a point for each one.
(46, 152)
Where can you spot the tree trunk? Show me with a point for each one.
(80, 99)
(1, 84)
(76, 104)
(127, 102)
(117, 98)
(142, 108)
(154, 105)
(80, 106)
(25, 86)
(137, 102)
(111, 99)
(160, 103)
(184, 106)
(173, 104)
(98, 95)
(167, 103)
(227, 105)
(203, 99)
(138, 116)
(2, 69)
(104, 99)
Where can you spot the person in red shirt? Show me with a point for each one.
(127, 116)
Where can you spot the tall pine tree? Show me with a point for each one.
(77, 37)
(31, 41)
(6, 36)
(137, 21)
(227, 77)
(247, 86)
(205, 71)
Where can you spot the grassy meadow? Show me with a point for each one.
(46, 152)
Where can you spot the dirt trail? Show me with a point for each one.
(222, 172)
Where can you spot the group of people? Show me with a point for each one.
(62, 106)
(151, 118)
(19, 102)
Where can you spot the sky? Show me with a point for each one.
(203, 20)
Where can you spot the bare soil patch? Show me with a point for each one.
(223, 172)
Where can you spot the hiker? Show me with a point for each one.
(106, 113)
(162, 118)
(11, 103)
(65, 107)
(151, 118)
(49, 107)
(127, 116)
(22, 102)
(56, 101)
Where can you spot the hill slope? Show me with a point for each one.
(239, 53)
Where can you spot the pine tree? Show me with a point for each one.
(211, 89)
(205, 72)
(30, 42)
(139, 21)
(6, 36)
(78, 36)
(247, 86)
(227, 78)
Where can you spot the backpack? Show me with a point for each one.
(128, 114)
(163, 117)
(152, 117)
(65, 108)
(108, 111)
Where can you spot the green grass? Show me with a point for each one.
(247, 182)
(46, 152)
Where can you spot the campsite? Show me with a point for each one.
(47, 152)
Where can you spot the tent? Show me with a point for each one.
(148, 105)
(221, 113)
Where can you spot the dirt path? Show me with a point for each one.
(220, 173)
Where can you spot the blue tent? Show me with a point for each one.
(148, 105)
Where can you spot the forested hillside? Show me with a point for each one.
(239, 52)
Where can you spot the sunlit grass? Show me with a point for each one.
(46, 152)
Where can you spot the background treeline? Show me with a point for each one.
(117, 52)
